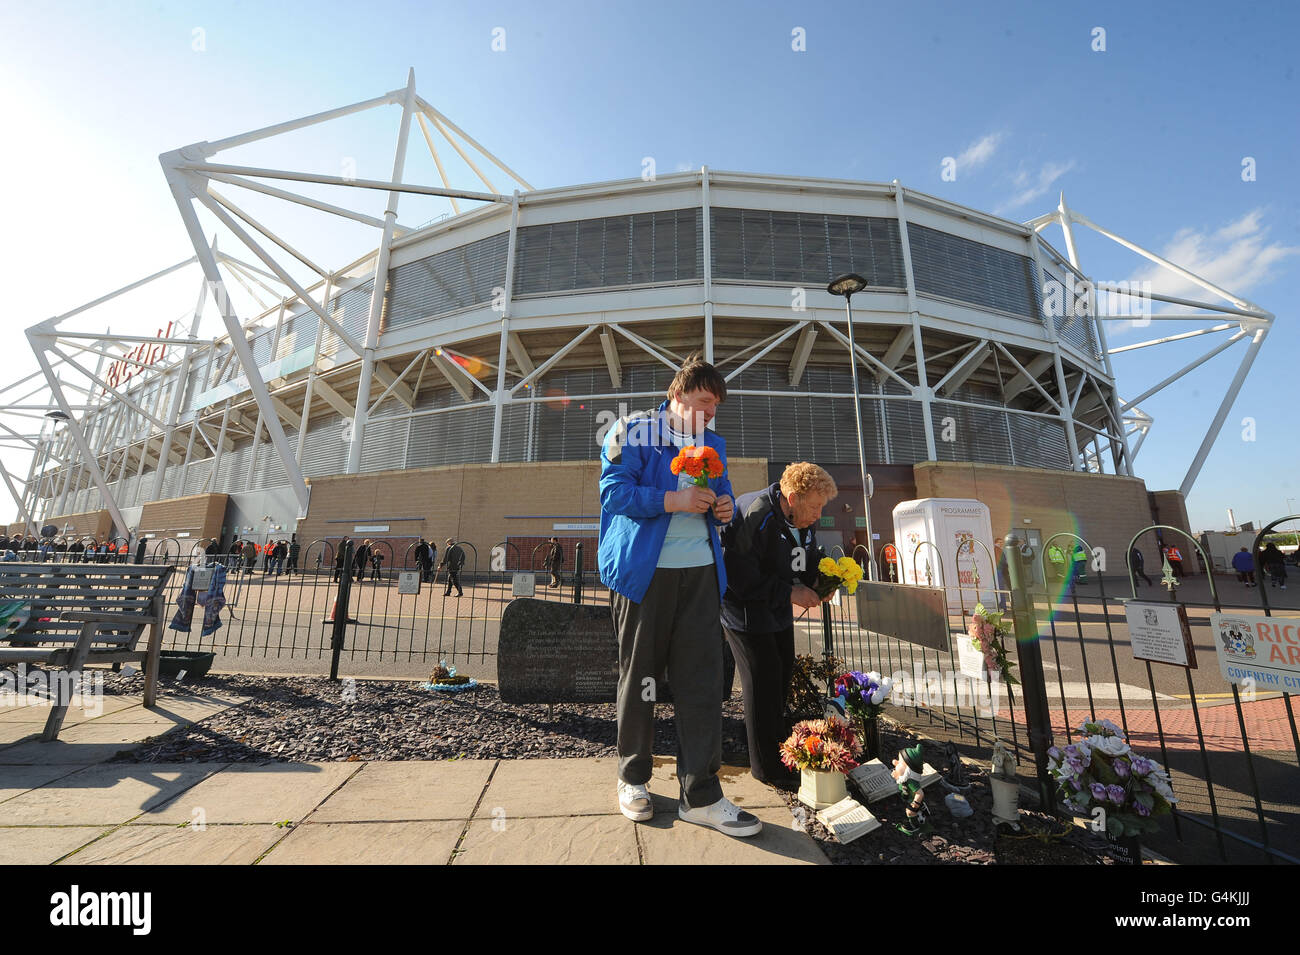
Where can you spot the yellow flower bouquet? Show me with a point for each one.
(845, 572)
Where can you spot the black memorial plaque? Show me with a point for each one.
(551, 652)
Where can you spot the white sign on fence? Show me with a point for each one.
(202, 579)
(970, 661)
(1160, 633)
(523, 585)
(408, 582)
(1262, 649)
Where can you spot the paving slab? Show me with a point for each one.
(84, 743)
(368, 843)
(174, 710)
(30, 712)
(172, 845)
(567, 840)
(15, 732)
(667, 840)
(42, 845)
(102, 795)
(15, 780)
(268, 793)
(737, 785)
(405, 791)
(553, 787)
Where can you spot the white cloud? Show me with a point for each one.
(1032, 186)
(1236, 257)
(979, 152)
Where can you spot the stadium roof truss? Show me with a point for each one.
(133, 435)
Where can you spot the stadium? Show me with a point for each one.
(466, 396)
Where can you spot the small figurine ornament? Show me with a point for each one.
(954, 778)
(908, 769)
(1005, 785)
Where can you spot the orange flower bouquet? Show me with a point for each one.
(700, 463)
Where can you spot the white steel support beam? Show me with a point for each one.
(1026, 376)
(922, 390)
(706, 220)
(88, 456)
(312, 373)
(1213, 433)
(380, 285)
(545, 366)
(776, 340)
(802, 349)
(966, 366)
(185, 196)
(897, 348)
(333, 398)
(454, 378)
(612, 363)
(23, 512)
(500, 397)
(520, 353)
(1222, 346)
(252, 244)
(393, 385)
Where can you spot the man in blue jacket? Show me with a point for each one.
(661, 558)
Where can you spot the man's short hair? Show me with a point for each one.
(695, 375)
(804, 477)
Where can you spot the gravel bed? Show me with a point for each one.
(309, 719)
(305, 719)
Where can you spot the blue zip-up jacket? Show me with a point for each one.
(635, 473)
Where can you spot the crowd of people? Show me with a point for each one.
(276, 557)
(67, 549)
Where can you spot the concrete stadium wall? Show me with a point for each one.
(1106, 510)
(483, 504)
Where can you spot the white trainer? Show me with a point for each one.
(723, 815)
(634, 802)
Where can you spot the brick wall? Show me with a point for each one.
(197, 516)
(1106, 510)
(88, 523)
(483, 504)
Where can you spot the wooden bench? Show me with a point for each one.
(85, 613)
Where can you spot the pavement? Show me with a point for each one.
(62, 803)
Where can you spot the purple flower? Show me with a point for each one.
(1098, 791)
(1141, 809)
(1142, 765)
(1121, 768)
(1116, 794)
(1054, 752)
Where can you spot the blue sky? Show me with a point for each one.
(1146, 138)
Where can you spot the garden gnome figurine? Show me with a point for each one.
(908, 768)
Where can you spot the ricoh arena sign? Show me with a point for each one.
(144, 354)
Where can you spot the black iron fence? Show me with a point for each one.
(1233, 751)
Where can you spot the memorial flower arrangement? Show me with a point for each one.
(1100, 770)
(700, 463)
(821, 745)
(864, 694)
(989, 636)
(845, 572)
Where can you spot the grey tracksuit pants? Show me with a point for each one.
(675, 630)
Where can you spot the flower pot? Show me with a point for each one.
(1126, 850)
(821, 787)
(195, 664)
(1006, 800)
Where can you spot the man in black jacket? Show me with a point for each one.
(453, 559)
(772, 554)
(555, 562)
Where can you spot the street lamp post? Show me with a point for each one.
(847, 285)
